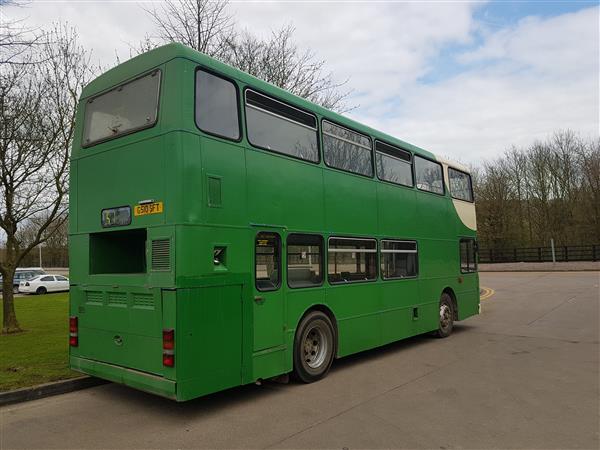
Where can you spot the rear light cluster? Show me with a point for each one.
(169, 348)
(73, 331)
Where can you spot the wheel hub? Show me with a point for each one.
(445, 316)
(315, 347)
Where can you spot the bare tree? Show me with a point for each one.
(37, 103)
(16, 38)
(208, 27)
(204, 25)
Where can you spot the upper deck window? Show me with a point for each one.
(429, 175)
(281, 128)
(127, 108)
(217, 106)
(347, 150)
(393, 164)
(460, 185)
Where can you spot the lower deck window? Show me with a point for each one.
(398, 259)
(118, 252)
(468, 255)
(304, 260)
(351, 260)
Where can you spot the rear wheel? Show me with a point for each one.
(446, 320)
(41, 290)
(314, 347)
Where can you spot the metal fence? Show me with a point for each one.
(540, 254)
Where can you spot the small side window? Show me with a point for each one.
(267, 264)
(393, 164)
(429, 175)
(468, 255)
(48, 278)
(217, 106)
(304, 260)
(460, 185)
(398, 259)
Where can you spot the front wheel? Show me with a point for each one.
(446, 321)
(41, 290)
(314, 347)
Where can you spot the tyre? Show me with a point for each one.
(446, 317)
(41, 290)
(314, 347)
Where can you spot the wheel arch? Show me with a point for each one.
(448, 290)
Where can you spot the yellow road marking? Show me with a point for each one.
(487, 293)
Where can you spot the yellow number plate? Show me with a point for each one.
(148, 208)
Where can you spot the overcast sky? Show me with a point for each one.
(463, 79)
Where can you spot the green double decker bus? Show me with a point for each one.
(224, 231)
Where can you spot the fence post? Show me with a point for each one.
(514, 255)
(566, 253)
(491, 255)
(593, 252)
(539, 254)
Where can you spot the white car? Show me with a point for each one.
(44, 283)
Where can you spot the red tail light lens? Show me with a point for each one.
(73, 331)
(168, 360)
(73, 324)
(168, 339)
(169, 348)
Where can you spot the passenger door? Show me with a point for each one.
(268, 293)
(48, 282)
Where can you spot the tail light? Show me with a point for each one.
(73, 331)
(169, 348)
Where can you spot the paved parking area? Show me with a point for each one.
(523, 374)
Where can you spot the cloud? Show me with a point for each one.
(430, 73)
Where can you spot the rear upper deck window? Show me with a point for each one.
(129, 107)
(460, 185)
(217, 106)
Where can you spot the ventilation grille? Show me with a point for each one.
(117, 298)
(143, 300)
(161, 249)
(94, 297)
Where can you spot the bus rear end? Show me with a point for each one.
(122, 309)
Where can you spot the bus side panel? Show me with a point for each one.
(399, 297)
(356, 307)
(397, 212)
(350, 204)
(283, 191)
(208, 354)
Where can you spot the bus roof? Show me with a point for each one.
(160, 55)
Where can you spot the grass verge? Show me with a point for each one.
(40, 353)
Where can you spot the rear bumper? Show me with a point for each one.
(129, 377)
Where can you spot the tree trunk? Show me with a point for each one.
(9, 323)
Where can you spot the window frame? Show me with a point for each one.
(237, 100)
(475, 254)
(443, 193)
(321, 255)
(416, 252)
(133, 130)
(351, 238)
(470, 185)
(337, 124)
(316, 129)
(410, 163)
(279, 249)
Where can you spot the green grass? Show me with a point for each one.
(39, 354)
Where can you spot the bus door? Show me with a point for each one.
(268, 293)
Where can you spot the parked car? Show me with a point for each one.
(24, 274)
(44, 283)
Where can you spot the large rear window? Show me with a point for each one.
(125, 109)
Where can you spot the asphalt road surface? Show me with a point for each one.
(523, 374)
